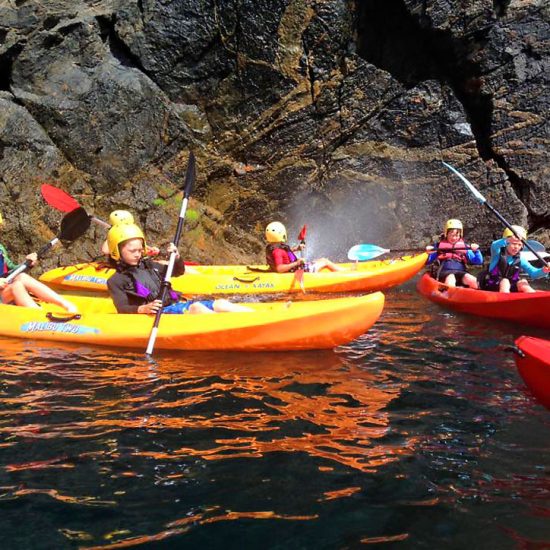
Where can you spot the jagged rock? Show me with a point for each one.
(347, 107)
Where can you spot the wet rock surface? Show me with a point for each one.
(321, 112)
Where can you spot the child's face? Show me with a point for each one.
(131, 251)
(453, 235)
(513, 246)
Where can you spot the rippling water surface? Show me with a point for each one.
(420, 434)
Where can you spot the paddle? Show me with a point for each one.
(62, 201)
(73, 225)
(299, 273)
(189, 182)
(366, 251)
(482, 200)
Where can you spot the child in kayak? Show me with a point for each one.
(18, 291)
(136, 285)
(507, 263)
(123, 216)
(281, 258)
(451, 255)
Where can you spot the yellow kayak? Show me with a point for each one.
(214, 280)
(276, 326)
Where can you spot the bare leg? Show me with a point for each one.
(470, 281)
(504, 286)
(325, 263)
(16, 292)
(450, 280)
(524, 286)
(41, 291)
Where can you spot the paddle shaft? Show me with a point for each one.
(469, 185)
(27, 263)
(73, 225)
(525, 242)
(189, 181)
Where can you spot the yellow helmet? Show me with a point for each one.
(1, 220)
(454, 224)
(275, 232)
(521, 232)
(120, 216)
(121, 233)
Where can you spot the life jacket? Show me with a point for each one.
(447, 251)
(270, 248)
(504, 270)
(147, 282)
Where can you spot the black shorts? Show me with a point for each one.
(459, 275)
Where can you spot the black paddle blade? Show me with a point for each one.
(74, 224)
(190, 175)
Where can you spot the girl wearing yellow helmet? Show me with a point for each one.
(19, 290)
(507, 263)
(118, 217)
(452, 255)
(137, 284)
(281, 257)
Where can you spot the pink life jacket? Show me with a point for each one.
(452, 254)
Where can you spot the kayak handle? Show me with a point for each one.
(56, 318)
(248, 281)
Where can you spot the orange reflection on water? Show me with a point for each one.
(316, 403)
(213, 515)
(348, 491)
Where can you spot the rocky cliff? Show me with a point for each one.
(327, 112)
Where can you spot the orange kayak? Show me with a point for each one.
(525, 309)
(276, 326)
(235, 279)
(533, 361)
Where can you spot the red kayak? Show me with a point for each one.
(518, 307)
(533, 361)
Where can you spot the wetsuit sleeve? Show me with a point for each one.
(475, 258)
(115, 285)
(495, 252)
(433, 255)
(7, 261)
(532, 272)
(179, 267)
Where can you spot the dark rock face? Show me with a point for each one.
(336, 114)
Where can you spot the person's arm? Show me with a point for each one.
(179, 267)
(433, 253)
(279, 257)
(475, 257)
(495, 252)
(9, 264)
(532, 272)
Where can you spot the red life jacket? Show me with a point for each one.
(447, 251)
(269, 254)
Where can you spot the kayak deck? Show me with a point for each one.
(526, 309)
(218, 280)
(276, 326)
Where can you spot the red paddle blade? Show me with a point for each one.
(58, 198)
(302, 235)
